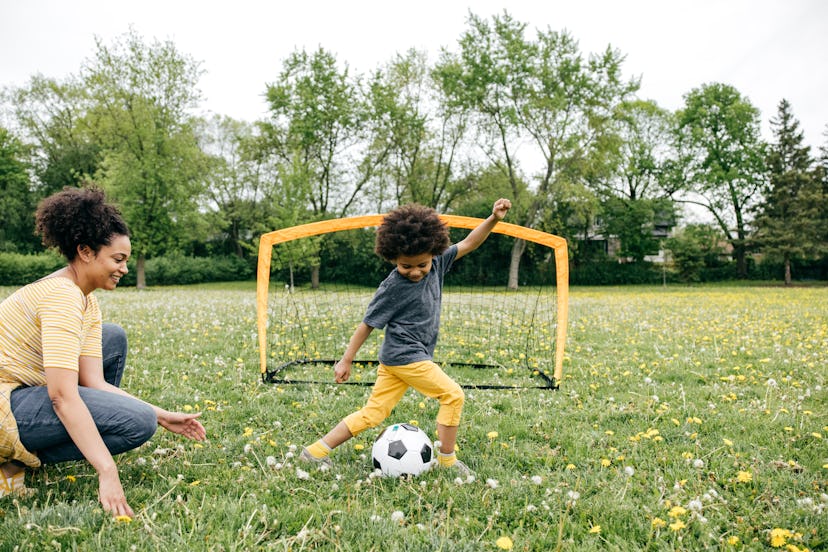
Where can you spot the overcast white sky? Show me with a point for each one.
(767, 49)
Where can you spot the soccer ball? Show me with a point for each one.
(402, 449)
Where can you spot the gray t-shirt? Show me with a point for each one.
(409, 312)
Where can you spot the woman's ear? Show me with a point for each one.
(85, 253)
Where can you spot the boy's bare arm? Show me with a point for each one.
(342, 370)
(479, 234)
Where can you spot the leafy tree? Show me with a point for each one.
(140, 97)
(415, 136)
(694, 248)
(17, 201)
(634, 223)
(314, 128)
(791, 222)
(719, 131)
(542, 92)
(53, 116)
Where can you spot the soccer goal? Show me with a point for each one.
(310, 299)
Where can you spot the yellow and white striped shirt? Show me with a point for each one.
(48, 323)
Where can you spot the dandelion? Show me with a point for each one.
(573, 495)
(677, 525)
(677, 511)
(123, 519)
(695, 505)
(595, 529)
(493, 483)
(778, 537)
(302, 474)
(658, 523)
(359, 446)
(744, 477)
(71, 478)
(397, 516)
(727, 442)
(270, 461)
(605, 463)
(504, 543)
(733, 540)
(698, 463)
(536, 479)
(572, 466)
(248, 431)
(629, 471)
(492, 435)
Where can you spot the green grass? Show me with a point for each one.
(689, 418)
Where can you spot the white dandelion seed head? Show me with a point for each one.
(302, 474)
(531, 507)
(334, 487)
(458, 481)
(698, 463)
(573, 495)
(423, 484)
(270, 461)
(469, 479)
(397, 516)
(493, 483)
(247, 448)
(806, 502)
(629, 471)
(771, 382)
(420, 526)
(289, 455)
(375, 473)
(140, 460)
(695, 505)
(292, 448)
(648, 380)
(537, 480)
(303, 534)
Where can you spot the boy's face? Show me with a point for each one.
(414, 268)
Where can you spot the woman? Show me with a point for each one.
(60, 367)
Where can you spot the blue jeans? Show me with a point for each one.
(123, 422)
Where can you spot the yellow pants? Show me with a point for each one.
(393, 381)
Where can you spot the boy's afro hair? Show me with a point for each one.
(411, 230)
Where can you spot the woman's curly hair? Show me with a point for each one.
(411, 230)
(78, 216)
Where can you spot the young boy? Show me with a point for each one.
(407, 305)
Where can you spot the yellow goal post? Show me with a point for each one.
(270, 239)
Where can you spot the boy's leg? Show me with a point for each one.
(387, 392)
(430, 380)
(123, 422)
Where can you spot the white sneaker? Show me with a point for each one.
(306, 456)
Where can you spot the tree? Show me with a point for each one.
(541, 92)
(694, 248)
(52, 114)
(719, 130)
(17, 201)
(790, 224)
(634, 223)
(140, 97)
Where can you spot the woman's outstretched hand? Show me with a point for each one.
(183, 424)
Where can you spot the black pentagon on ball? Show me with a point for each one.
(425, 454)
(396, 449)
(376, 463)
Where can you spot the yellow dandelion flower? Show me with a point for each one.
(188, 408)
(605, 462)
(195, 483)
(248, 431)
(609, 432)
(733, 540)
(677, 511)
(359, 446)
(570, 466)
(504, 543)
(123, 519)
(71, 478)
(492, 435)
(677, 525)
(816, 435)
(595, 529)
(658, 523)
(744, 477)
(778, 537)
(727, 442)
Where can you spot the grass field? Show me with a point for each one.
(689, 418)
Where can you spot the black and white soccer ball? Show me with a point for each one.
(402, 449)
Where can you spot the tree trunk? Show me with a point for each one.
(315, 277)
(140, 272)
(514, 264)
(787, 271)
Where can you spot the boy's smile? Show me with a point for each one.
(415, 267)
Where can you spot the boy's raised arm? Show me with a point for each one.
(479, 234)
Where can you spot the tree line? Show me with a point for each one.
(509, 112)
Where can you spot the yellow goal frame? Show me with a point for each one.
(558, 245)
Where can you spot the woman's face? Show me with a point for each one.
(109, 265)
